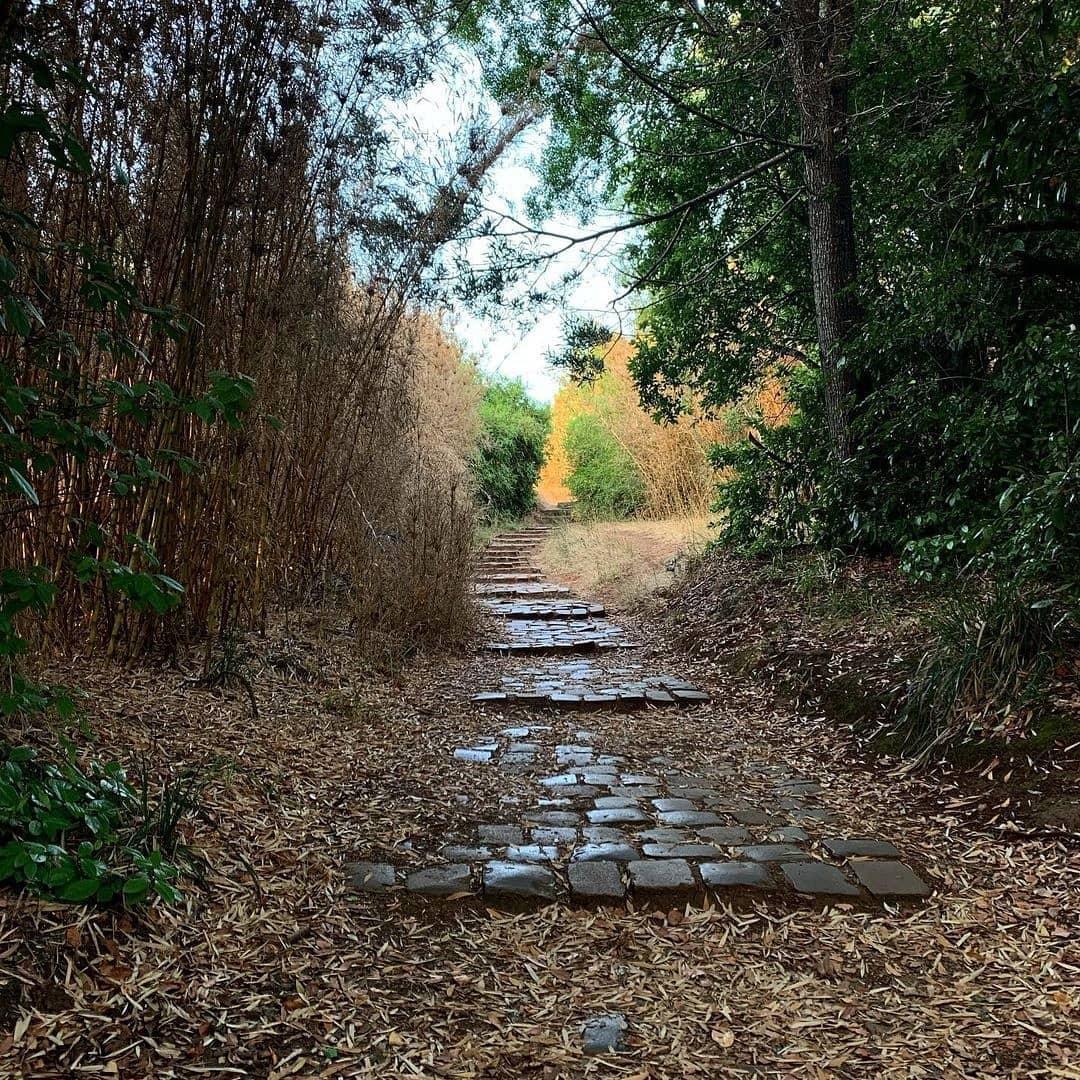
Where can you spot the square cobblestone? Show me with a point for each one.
(773, 853)
(440, 880)
(611, 851)
(515, 881)
(500, 834)
(728, 835)
(734, 875)
(887, 878)
(844, 849)
(596, 880)
(532, 853)
(688, 817)
(369, 876)
(661, 875)
(553, 834)
(616, 817)
(818, 879)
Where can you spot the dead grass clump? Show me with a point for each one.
(622, 563)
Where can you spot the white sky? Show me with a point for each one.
(513, 345)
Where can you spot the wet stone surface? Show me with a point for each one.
(601, 825)
(818, 879)
(370, 877)
(604, 1034)
(514, 881)
(889, 879)
(596, 880)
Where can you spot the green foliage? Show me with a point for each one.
(581, 355)
(510, 449)
(986, 669)
(83, 834)
(603, 477)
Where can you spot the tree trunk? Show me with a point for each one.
(815, 36)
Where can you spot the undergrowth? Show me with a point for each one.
(985, 676)
(86, 833)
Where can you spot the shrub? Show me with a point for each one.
(603, 477)
(510, 450)
(983, 677)
(80, 834)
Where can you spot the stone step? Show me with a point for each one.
(544, 609)
(556, 648)
(589, 701)
(524, 589)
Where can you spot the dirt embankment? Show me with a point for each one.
(840, 639)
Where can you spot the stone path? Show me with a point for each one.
(605, 827)
(539, 618)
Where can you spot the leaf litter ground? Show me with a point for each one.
(277, 969)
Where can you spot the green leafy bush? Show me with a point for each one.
(510, 449)
(81, 834)
(603, 477)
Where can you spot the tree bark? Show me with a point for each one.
(815, 34)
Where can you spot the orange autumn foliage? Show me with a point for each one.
(671, 457)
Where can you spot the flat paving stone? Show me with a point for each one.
(667, 836)
(553, 834)
(734, 875)
(773, 853)
(512, 880)
(604, 1034)
(602, 834)
(666, 806)
(616, 817)
(596, 879)
(631, 792)
(500, 834)
(888, 878)
(615, 802)
(754, 817)
(563, 818)
(661, 875)
(788, 834)
(466, 754)
(688, 817)
(729, 835)
(844, 849)
(681, 851)
(369, 876)
(611, 851)
(466, 853)
(818, 879)
(532, 853)
(440, 880)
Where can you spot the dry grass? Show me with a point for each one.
(621, 562)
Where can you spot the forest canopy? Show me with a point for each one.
(874, 203)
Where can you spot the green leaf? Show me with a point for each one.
(80, 890)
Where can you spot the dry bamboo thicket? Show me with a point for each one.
(236, 178)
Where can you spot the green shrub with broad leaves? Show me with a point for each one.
(510, 449)
(76, 833)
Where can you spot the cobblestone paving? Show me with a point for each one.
(603, 828)
(606, 828)
(537, 618)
